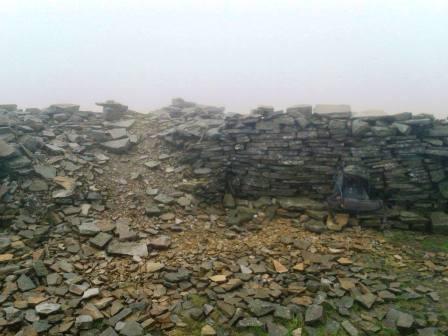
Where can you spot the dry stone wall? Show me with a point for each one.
(297, 152)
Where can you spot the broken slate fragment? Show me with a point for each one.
(48, 172)
(88, 228)
(313, 314)
(349, 328)
(160, 243)
(25, 283)
(123, 230)
(100, 240)
(131, 328)
(127, 248)
(152, 164)
(404, 321)
(46, 308)
(117, 146)
(164, 199)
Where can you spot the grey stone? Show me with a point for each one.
(117, 146)
(164, 199)
(84, 322)
(25, 283)
(349, 328)
(160, 243)
(367, 300)
(152, 164)
(38, 185)
(315, 226)
(46, 308)
(109, 332)
(314, 314)
(405, 321)
(260, 308)
(118, 133)
(300, 204)
(131, 328)
(88, 228)
(178, 276)
(249, 322)
(39, 268)
(6, 150)
(122, 314)
(128, 248)
(101, 240)
(5, 242)
(275, 329)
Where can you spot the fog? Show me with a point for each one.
(390, 55)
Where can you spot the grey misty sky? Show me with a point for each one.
(390, 55)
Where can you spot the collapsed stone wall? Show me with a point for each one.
(272, 153)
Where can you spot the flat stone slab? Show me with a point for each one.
(160, 243)
(117, 146)
(46, 308)
(6, 150)
(118, 133)
(128, 248)
(120, 123)
(48, 172)
(300, 203)
(100, 240)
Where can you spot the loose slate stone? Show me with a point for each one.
(275, 329)
(315, 226)
(249, 322)
(39, 268)
(165, 199)
(350, 328)
(367, 300)
(48, 172)
(127, 248)
(117, 146)
(118, 133)
(5, 243)
(6, 150)
(178, 276)
(279, 267)
(25, 283)
(91, 292)
(152, 164)
(120, 316)
(283, 313)
(46, 308)
(101, 240)
(152, 267)
(220, 278)
(131, 328)
(314, 314)
(84, 322)
(89, 228)
(208, 330)
(261, 308)
(123, 230)
(38, 185)
(431, 331)
(160, 243)
(109, 332)
(405, 321)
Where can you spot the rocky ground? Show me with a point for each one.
(102, 235)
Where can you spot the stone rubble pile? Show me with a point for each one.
(277, 154)
(49, 160)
